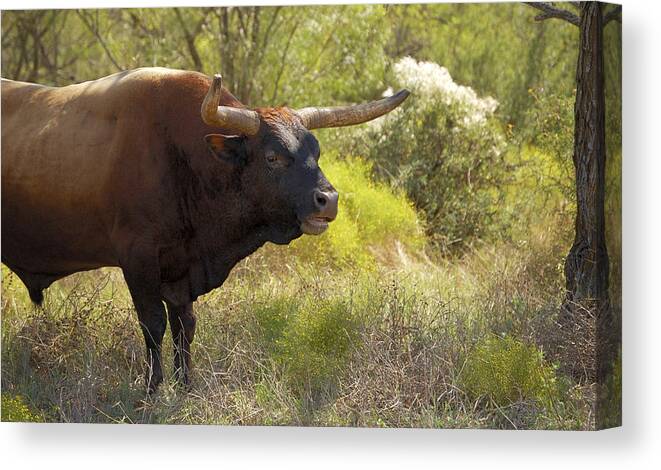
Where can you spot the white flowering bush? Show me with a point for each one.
(444, 147)
(430, 81)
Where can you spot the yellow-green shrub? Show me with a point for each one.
(507, 370)
(14, 409)
(310, 338)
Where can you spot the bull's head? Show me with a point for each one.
(280, 155)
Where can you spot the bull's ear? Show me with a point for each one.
(227, 148)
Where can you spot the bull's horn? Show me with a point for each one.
(316, 118)
(234, 120)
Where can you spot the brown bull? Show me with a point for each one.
(164, 174)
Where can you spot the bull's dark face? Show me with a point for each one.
(281, 176)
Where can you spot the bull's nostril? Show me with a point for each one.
(320, 199)
(325, 203)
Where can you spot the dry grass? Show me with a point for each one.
(303, 346)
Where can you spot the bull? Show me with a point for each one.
(164, 174)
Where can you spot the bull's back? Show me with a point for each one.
(78, 162)
(59, 148)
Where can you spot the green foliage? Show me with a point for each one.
(336, 55)
(302, 55)
(507, 370)
(371, 216)
(498, 49)
(14, 409)
(552, 132)
(444, 149)
(542, 178)
(309, 338)
(267, 55)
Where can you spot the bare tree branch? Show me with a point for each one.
(614, 14)
(190, 41)
(283, 61)
(274, 17)
(243, 30)
(267, 36)
(202, 21)
(95, 31)
(549, 11)
(47, 27)
(137, 22)
(22, 40)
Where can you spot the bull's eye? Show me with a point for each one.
(276, 161)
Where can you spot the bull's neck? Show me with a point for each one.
(221, 229)
(226, 226)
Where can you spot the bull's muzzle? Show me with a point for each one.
(325, 203)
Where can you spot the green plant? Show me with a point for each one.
(507, 371)
(444, 148)
(16, 410)
(309, 338)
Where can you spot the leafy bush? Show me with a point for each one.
(444, 148)
(309, 338)
(552, 132)
(14, 409)
(371, 215)
(507, 371)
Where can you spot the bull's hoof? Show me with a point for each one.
(183, 381)
(153, 382)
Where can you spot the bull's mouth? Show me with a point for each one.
(315, 225)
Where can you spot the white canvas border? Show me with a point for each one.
(634, 445)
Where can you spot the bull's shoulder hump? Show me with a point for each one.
(175, 85)
(148, 83)
(156, 77)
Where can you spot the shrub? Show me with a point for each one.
(309, 338)
(507, 371)
(14, 409)
(371, 215)
(444, 148)
(552, 132)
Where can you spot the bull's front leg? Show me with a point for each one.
(182, 326)
(144, 285)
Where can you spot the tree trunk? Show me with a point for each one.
(586, 266)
